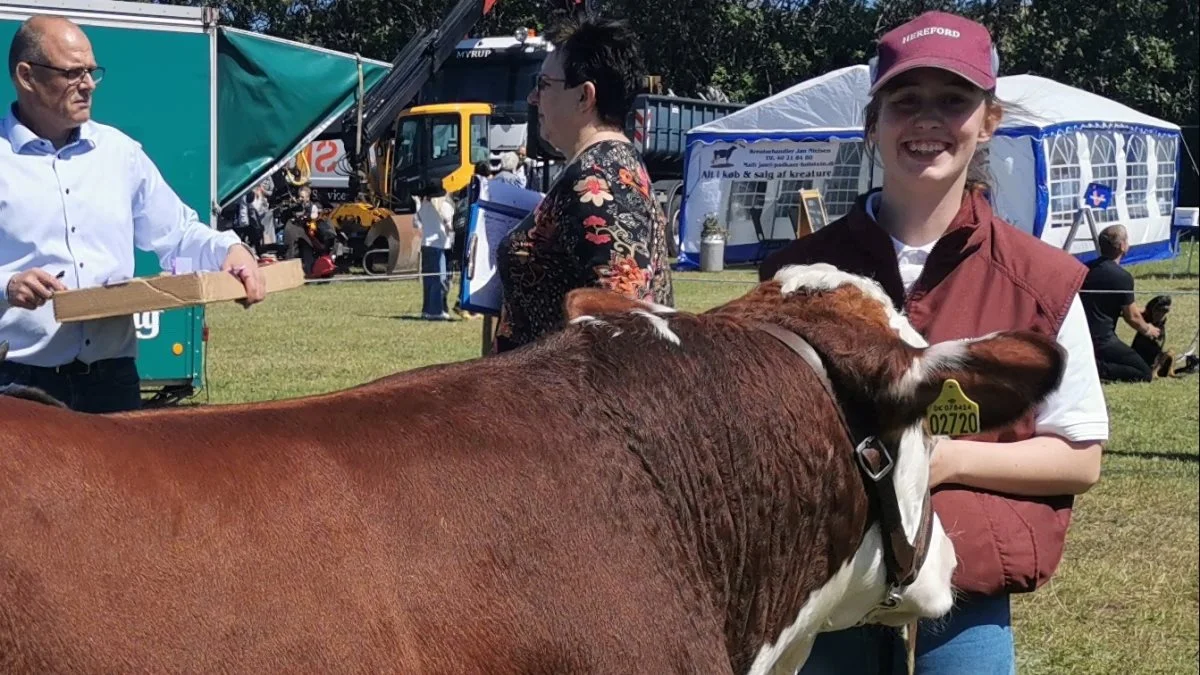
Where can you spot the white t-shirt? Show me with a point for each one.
(436, 218)
(1076, 410)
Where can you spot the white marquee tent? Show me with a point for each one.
(746, 169)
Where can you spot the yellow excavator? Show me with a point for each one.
(427, 145)
(392, 150)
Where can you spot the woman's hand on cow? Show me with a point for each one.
(942, 468)
(1042, 466)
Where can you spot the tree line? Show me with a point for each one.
(1143, 53)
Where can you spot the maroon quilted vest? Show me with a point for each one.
(983, 275)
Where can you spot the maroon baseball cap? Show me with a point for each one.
(937, 40)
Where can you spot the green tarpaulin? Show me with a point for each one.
(273, 97)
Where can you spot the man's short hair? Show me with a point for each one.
(1111, 239)
(606, 53)
(26, 46)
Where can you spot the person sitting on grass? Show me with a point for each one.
(1111, 296)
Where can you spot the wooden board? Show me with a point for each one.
(811, 214)
(167, 291)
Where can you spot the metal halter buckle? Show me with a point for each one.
(868, 442)
(892, 600)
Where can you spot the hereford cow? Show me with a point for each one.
(644, 492)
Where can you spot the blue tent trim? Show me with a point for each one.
(683, 261)
(1142, 253)
(1041, 172)
(1068, 127)
(708, 138)
(1042, 177)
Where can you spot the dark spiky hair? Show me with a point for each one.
(606, 53)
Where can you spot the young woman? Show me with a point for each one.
(932, 240)
(599, 224)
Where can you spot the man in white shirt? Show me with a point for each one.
(76, 199)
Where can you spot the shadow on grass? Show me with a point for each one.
(417, 318)
(401, 317)
(1167, 276)
(1185, 458)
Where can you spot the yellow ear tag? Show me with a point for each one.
(952, 414)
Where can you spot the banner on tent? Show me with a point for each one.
(753, 188)
(767, 160)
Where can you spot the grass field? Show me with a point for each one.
(1125, 598)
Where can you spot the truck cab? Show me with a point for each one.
(499, 71)
(441, 141)
(479, 93)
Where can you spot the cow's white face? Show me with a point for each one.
(872, 352)
(931, 594)
(873, 355)
(852, 596)
(855, 593)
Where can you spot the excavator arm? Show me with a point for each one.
(366, 123)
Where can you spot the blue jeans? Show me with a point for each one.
(437, 286)
(110, 385)
(975, 638)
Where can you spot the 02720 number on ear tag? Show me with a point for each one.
(952, 414)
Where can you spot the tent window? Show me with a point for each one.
(1104, 170)
(1137, 177)
(1164, 185)
(787, 201)
(1064, 180)
(746, 199)
(841, 189)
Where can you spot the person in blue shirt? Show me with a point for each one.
(509, 164)
(76, 199)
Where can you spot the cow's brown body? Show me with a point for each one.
(580, 506)
(644, 492)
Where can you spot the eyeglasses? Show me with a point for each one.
(543, 82)
(75, 74)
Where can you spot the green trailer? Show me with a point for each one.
(216, 108)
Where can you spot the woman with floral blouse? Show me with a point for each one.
(599, 225)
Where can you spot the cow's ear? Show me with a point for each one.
(1005, 374)
(598, 302)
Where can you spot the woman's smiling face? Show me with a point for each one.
(930, 122)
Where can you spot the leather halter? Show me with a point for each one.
(902, 559)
